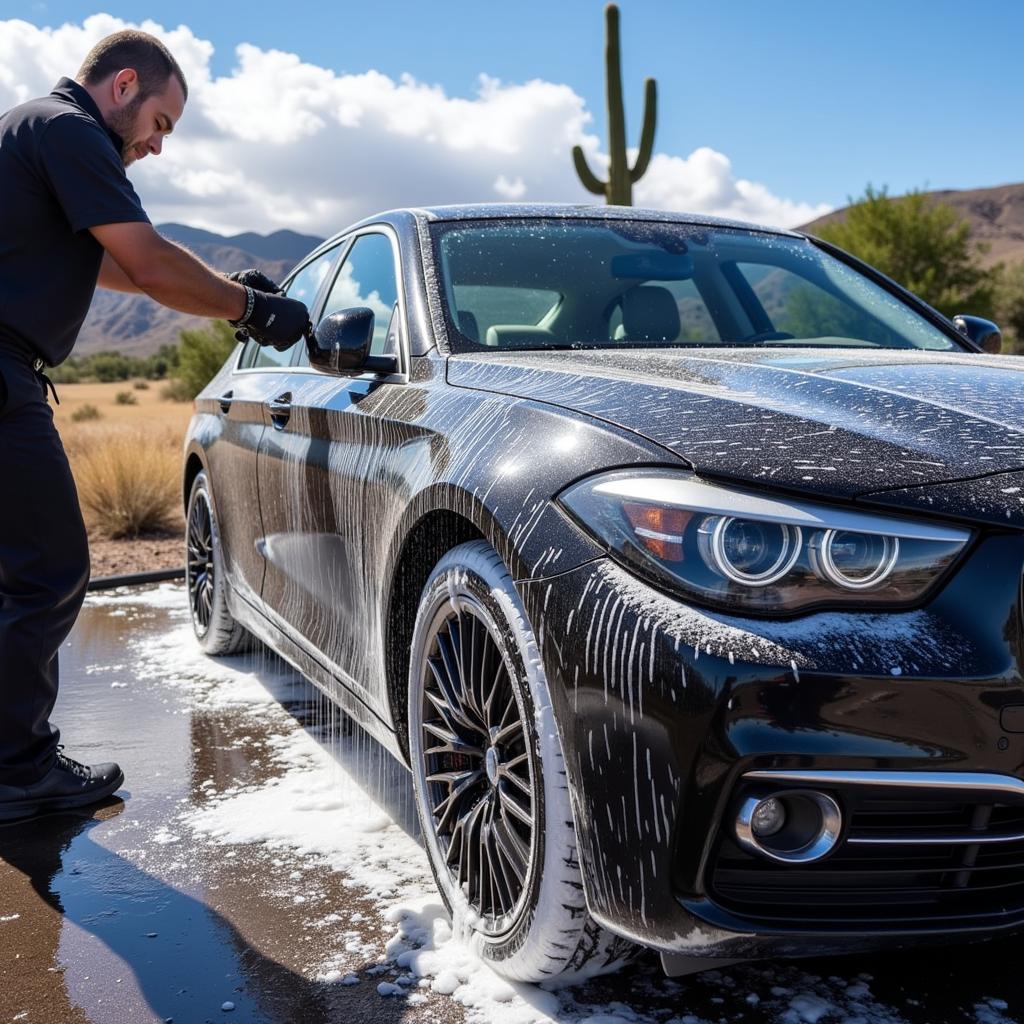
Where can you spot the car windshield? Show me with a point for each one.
(567, 283)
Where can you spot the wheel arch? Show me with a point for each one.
(194, 465)
(434, 534)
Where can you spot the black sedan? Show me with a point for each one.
(680, 560)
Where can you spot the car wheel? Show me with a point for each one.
(214, 626)
(490, 783)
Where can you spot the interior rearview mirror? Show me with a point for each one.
(985, 334)
(653, 265)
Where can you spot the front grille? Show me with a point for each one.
(958, 864)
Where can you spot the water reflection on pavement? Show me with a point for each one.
(185, 898)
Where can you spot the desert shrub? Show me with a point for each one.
(140, 385)
(128, 481)
(67, 373)
(109, 366)
(176, 390)
(86, 412)
(201, 354)
(125, 398)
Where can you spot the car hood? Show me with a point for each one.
(844, 423)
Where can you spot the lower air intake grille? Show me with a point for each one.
(952, 865)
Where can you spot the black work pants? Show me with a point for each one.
(44, 569)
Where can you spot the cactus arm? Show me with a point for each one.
(643, 158)
(591, 182)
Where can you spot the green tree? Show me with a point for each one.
(1010, 307)
(109, 366)
(923, 245)
(201, 354)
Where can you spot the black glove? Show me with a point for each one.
(273, 320)
(254, 279)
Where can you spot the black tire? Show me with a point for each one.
(214, 627)
(490, 782)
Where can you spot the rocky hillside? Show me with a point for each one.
(996, 216)
(138, 326)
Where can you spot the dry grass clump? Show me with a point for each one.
(86, 412)
(125, 398)
(128, 479)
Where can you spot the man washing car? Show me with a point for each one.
(69, 220)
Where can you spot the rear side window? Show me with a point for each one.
(303, 286)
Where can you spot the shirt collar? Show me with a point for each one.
(69, 89)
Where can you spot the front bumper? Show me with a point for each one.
(665, 711)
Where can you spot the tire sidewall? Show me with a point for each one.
(522, 951)
(210, 638)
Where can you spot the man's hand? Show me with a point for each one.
(273, 319)
(254, 279)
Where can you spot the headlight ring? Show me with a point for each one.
(745, 557)
(824, 550)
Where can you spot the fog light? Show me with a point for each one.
(792, 827)
(768, 818)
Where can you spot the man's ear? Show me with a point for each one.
(125, 86)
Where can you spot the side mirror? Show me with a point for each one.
(985, 334)
(341, 342)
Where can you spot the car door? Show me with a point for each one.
(321, 471)
(244, 410)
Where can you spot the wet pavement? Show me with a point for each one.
(261, 865)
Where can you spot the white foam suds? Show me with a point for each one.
(315, 812)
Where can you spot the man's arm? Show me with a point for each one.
(114, 278)
(168, 273)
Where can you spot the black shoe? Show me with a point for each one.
(67, 784)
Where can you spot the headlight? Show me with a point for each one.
(757, 552)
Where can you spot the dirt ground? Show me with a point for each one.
(145, 554)
(149, 409)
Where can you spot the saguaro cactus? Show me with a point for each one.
(618, 189)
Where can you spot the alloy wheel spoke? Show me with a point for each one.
(508, 804)
(511, 848)
(440, 668)
(521, 784)
(448, 715)
(509, 732)
(450, 742)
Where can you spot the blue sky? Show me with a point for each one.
(811, 100)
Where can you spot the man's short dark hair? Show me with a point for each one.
(129, 48)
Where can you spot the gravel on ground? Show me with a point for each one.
(147, 553)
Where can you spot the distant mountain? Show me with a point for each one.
(138, 326)
(996, 217)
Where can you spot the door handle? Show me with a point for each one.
(225, 402)
(280, 409)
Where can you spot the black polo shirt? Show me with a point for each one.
(61, 173)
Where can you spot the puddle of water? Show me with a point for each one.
(265, 856)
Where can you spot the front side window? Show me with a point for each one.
(550, 283)
(367, 278)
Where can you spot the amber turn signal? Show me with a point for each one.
(658, 530)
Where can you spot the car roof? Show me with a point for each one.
(566, 211)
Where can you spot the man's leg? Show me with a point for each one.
(44, 569)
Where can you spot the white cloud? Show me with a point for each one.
(283, 143)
